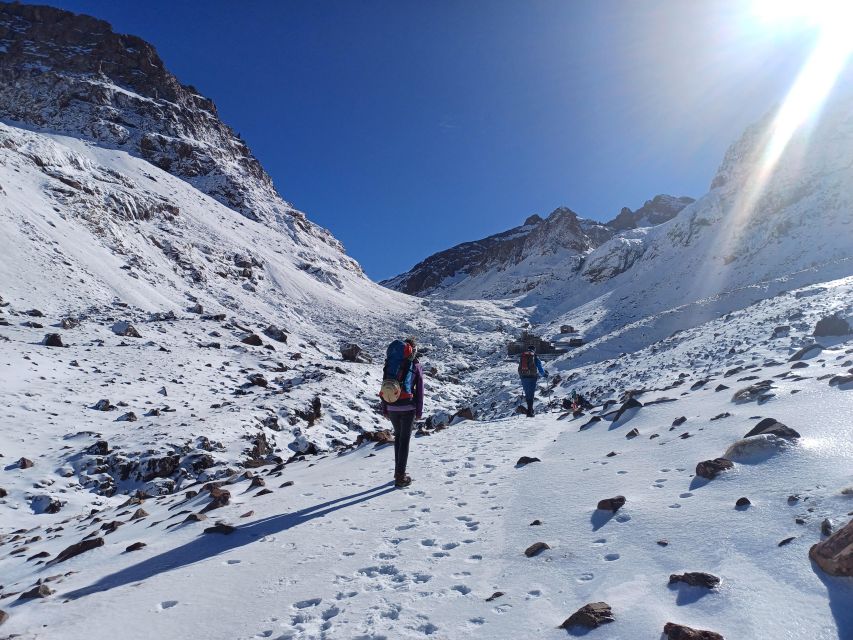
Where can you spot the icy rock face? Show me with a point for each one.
(658, 210)
(560, 242)
(72, 74)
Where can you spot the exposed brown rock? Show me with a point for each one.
(590, 615)
(835, 554)
(612, 504)
(710, 468)
(695, 579)
(136, 546)
(535, 549)
(80, 547)
(39, 591)
(25, 463)
(680, 632)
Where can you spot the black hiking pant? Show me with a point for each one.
(402, 421)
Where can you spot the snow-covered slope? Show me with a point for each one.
(333, 551)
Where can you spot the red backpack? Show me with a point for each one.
(527, 365)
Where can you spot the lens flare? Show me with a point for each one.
(801, 106)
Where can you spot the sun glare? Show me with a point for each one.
(833, 21)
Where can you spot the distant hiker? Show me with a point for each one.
(529, 370)
(578, 403)
(402, 395)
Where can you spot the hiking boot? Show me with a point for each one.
(531, 413)
(402, 481)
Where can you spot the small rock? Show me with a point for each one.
(248, 514)
(53, 340)
(826, 527)
(102, 405)
(524, 460)
(253, 340)
(136, 546)
(663, 542)
(127, 417)
(258, 380)
(680, 632)
(787, 541)
(139, 514)
(742, 502)
(590, 615)
(495, 596)
(353, 353)
(3, 616)
(535, 549)
(807, 351)
(695, 579)
(679, 421)
(273, 332)
(611, 454)
(25, 463)
(220, 527)
(833, 325)
(633, 433)
(263, 492)
(39, 591)
(535, 523)
(195, 517)
(612, 504)
(125, 329)
(257, 481)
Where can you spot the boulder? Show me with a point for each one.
(835, 554)
(749, 449)
(674, 631)
(102, 405)
(253, 340)
(258, 380)
(38, 591)
(590, 615)
(772, 427)
(525, 460)
(52, 340)
(695, 579)
(136, 546)
(809, 351)
(627, 410)
(274, 333)
(353, 353)
(752, 392)
(711, 468)
(612, 504)
(77, 549)
(125, 329)
(833, 325)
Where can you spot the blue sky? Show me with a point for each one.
(406, 126)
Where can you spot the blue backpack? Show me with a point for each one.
(398, 372)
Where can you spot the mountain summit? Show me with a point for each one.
(558, 242)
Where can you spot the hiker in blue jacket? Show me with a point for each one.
(529, 370)
(402, 398)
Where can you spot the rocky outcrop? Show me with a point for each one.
(590, 615)
(73, 74)
(658, 210)
(561, 232)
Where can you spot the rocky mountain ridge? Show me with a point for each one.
(562, 234)
(72, 74)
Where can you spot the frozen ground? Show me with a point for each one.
(341, 554)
